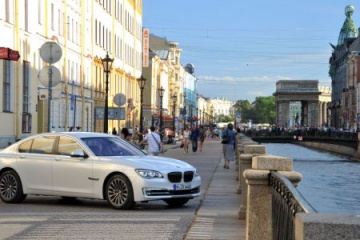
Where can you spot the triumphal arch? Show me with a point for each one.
(301, 103)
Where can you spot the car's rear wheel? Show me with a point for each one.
(119, 192)
(11, 190)
(176, 202)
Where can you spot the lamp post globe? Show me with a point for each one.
(141, 82)
(107, 63)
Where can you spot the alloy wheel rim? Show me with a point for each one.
(8, 186)
(117, 192)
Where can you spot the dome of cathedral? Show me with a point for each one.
(348, 29)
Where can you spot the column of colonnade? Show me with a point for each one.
(322, 113)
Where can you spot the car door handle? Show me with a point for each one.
(22, 156)
(58, 159)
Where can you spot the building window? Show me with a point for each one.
(52, 17)
(96, 39)
(26, 116)
(59, 23)
(26, 17)
(40, 11)
(26, 87)
(68, 28)
(7, 86)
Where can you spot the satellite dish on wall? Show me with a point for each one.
(119, 99)
(44, 76)
(50, 52)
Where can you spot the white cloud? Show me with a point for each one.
(231, 79)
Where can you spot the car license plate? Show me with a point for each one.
(178, 187)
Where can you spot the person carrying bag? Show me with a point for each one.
(228, 140)
(154, 142)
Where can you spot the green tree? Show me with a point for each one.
(264, 110)
(225, 118)
(244, 107)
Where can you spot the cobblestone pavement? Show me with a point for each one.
(42, 217)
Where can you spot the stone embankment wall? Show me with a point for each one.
(254, 166)
(333, 148)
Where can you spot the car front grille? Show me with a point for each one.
(172, 192)
(188, 176)
(175, 177)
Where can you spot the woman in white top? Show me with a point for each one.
(186, 137)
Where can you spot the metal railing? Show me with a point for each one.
(286, 202)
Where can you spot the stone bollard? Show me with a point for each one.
(240, 150)
(246, 163)
(259, 196)
(237, 145)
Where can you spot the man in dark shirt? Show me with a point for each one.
(194, 137)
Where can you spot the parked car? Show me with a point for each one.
(93, 165)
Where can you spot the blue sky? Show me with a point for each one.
(241, 48)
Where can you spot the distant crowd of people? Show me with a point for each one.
(194, 134)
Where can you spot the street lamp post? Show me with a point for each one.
(190, 110)
(197, 116)
(107, 62)
(203, 116)
(174, 97)
(184, 110)
(141, 82)
(161, 94)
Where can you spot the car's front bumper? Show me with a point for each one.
(158, 189)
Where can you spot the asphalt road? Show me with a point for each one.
(43, 217)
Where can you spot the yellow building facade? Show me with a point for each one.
(86, 31)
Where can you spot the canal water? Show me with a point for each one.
(331, 183)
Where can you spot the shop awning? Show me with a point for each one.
(9, 54)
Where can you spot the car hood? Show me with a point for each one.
(149, 162)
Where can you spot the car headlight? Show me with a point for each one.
(146, 173)
(196, 174)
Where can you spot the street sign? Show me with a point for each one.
(50, 52)
(119, 99)
(238, 117)
(114, 113)
(55, 76)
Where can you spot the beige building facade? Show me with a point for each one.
(86, 31)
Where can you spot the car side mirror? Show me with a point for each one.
(78, 154)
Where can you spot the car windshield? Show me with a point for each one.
(111, 146)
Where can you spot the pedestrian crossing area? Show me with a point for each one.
(201, 228)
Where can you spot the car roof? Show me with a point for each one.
(76, 134)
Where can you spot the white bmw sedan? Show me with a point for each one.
(93, 165)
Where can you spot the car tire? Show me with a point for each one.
(11, 190)
(177, 202)
(119, 192)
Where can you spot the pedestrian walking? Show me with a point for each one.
(185, 140)
(154, 142)
(124, 134)
(228, 139)
(114, 132)
(201, 137)
(194, 138)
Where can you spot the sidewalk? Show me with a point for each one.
(217, 217)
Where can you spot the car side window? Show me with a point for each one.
(68, 145)
(43, 145)
(25, 146)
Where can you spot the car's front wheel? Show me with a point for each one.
(119, 192)
(176, 202)
(11, 190)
